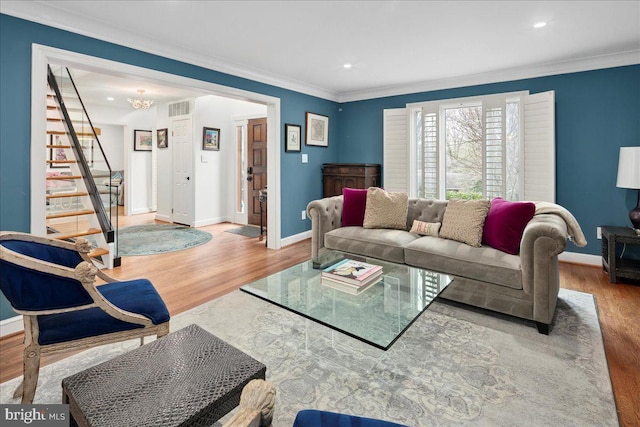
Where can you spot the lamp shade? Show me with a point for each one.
(629, 168)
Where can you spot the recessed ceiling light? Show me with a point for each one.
(539, 24)
(347, 66)
(111, 98)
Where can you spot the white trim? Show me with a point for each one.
(11, 325)
(619, 59)
(296, 238)
(53, 17)
(42, 55)
(211, 221)
(579, 258)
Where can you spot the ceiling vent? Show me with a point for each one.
(179, 109)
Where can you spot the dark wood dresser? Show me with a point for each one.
(336, 176)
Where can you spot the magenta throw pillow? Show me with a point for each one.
(505, 224)
(354, 202)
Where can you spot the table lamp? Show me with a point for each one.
(629, 177)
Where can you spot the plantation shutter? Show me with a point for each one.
(539, 147)
(494, 150)
(430, 153)
(395, 168)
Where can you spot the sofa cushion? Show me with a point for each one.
(425, 228)
(377, 242)
(385, 209)
(463, 221)
(505, 224)
(354, 202)
(426, 210)
(483, 263)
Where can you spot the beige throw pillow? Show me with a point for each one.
(385, 210)
(463, 221)
(426, 228)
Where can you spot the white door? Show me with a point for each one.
(182, 172)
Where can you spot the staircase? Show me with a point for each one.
(82, 194)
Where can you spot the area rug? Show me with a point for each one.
(246, 230)
(454, 366)
(158, 238)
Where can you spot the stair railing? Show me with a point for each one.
(92, 162)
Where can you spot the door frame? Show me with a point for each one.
(41, 55)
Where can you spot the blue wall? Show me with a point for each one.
(300, 183)
(596, 113)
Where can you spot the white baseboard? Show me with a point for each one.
(11, 325)
(141, 211)
(211, 221)
(296, 238)
(163, 218)
(578, 258)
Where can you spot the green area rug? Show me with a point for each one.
(158, 238)
(454, 366)
(246, 231)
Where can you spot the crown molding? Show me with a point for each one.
(619, 59)
(49, 15)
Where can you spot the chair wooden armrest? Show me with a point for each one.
(256, 405)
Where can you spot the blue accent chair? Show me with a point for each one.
(315, 418)
(52, 283)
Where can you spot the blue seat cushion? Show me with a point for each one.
(315, 418)
(137, 296)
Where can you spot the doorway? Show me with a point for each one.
(42, 55)
(256, 167)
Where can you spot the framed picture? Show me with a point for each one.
(163, 138)
(142, 140)
(293, 134)
(211, 139)
(317, 130)
(56, 153)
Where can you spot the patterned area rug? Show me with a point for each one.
(158, 238)
(454, 366)
(246, 230)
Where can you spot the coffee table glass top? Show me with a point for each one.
(378, 315)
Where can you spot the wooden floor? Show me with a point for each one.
(191, 277)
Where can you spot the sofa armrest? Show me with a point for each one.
(325, 215)
(543, 239)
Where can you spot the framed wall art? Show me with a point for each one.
(317, 130)
(163, 138)
(211, 139)
(142, 140)
(293, 135)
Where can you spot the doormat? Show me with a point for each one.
(158, 238)
(246, 231)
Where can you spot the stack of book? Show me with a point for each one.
(351, 276)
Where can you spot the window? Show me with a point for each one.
(473, 148)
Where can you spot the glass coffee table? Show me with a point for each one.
(377, 316)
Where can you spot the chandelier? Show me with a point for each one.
(139, 103)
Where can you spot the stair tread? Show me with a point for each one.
(69, 194)
(63, 177)
(72, 213)
(96, 252)
(60, 161)
(58, 146)
(65, 236)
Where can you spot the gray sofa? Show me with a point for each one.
(524, 285)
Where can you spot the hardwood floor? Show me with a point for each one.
(191, 277)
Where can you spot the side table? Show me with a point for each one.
(619, 267)
(186, 378)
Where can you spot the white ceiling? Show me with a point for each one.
(394, 46)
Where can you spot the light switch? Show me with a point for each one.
(203, 159)
(305, 158)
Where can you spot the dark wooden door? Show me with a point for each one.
(257, 166)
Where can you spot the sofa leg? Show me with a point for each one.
(543, 328)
